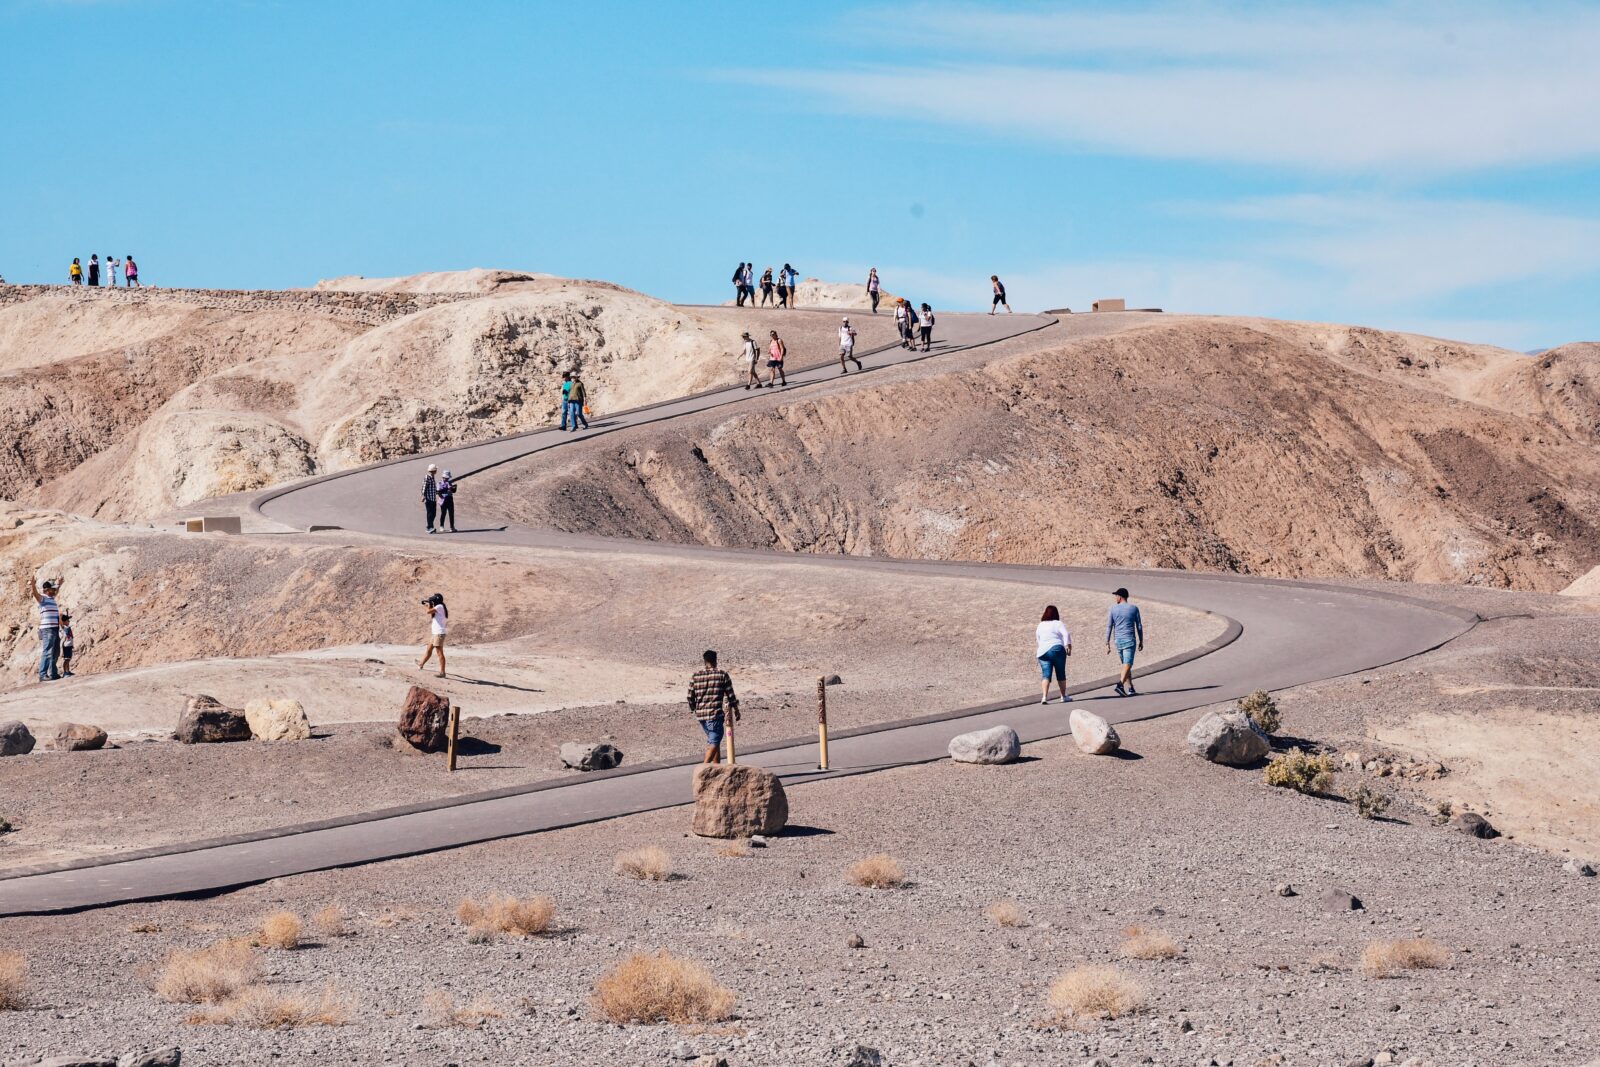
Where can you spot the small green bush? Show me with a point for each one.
(1300, 771)
(1262, 710)
(1369, 803)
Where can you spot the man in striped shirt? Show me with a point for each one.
(49, 628)
(710, 697)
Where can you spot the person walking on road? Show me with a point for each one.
(430, 495)
(999, 294)
(566, 395)
(766, 287)
(793, 277)
(925, 327)
(902, 322)
(66, 643)
(872, 288)
(438, 627)
(750, 357)
(49, 627)
(1126, 628)
(1052, 644)
(130, 271)
(776, 351)
(847, 346)
(94, 271)
(712, 700)
(447, 502)
(75, 272)
(578, 401)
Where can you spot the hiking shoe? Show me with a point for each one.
(1067, 699)
(1132, 691)
(1121, 692)
(857, 362)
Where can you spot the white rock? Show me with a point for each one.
(999, 744)
(1229, 738)
(1092, 733)
(277, 720)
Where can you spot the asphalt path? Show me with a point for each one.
(1277, 634)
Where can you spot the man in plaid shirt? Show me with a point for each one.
(710, 694)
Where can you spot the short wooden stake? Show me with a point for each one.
(822, 724)
(727, 721)
(455, 729)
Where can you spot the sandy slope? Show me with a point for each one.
(1248, 445)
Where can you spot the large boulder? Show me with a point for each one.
(1470, 822)
(277, 720)
(15, 739)
(425, 720)
(79, 737)
(998, 744)
(1093, 734)
(583, 757)
(737, 801)
(207, 721)
(1230, 738)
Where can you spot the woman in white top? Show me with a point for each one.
(439, 624)
(1053, 645)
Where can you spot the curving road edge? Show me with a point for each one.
(1276, 634)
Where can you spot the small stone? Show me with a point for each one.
(1583, 870)
(1383, 1058)
(684, 1051)
(710, 1061)
(834, 679)
(15, 739)
(79, 737)
(865, 1057)
(590, 757)
(1359, 1061)
(855, 941)
(757, 841)
(1474, 825)
(1284, 889)
(206, 721)
(997, 745)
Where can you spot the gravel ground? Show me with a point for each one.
(1086, 847)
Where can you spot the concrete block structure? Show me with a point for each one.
(228, 524)
(1111, 304)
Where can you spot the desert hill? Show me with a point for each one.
(124, 404)
(1242, 445)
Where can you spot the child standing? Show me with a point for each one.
(66, 643)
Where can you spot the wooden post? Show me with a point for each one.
(727, 722)
(455, 729)
(822, 724)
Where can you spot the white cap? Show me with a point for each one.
(845, 319)
(432, 468)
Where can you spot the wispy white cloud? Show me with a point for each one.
(1423, 88)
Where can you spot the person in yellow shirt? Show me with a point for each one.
(75, 272)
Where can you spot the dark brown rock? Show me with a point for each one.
(1470, 822)
(15, 739)
(79, 737)
(737, 801)
(207, 721)
(425, 720)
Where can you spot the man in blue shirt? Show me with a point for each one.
(1125, 626)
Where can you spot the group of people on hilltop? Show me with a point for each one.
(780, 290)
(98, 274)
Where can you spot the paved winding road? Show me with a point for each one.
(1278, 634)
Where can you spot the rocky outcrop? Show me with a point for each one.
(277, 720)
(998, 744)
(206, 721)
(597, 757)
(1229, 738)
(1092, 734)
(737, 801)
(15, 739)
(425, 720)
(79, 737)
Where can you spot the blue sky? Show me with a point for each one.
(1433, 167)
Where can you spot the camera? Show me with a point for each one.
(433, 600)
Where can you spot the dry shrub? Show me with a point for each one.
(1145, 944)
(207, 975)
(1005, 913)
(734, 851)
(500, 914)
(145, 928)
(877, 872)
(1385, 959)
(13, 981)
(280, 930)
(648, 864)
(1095, 993)
(1300, 771)
(441, 1012)
(1368, 802)
(653, 988)
(1262, 710)
(261, 1008)
(330, 923)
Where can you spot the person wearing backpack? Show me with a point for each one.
(447, 502)
(738, 284)
(749, 358)
(438, 626)
(776, 351)
(794, 286)
(926, 326)
(766, 287)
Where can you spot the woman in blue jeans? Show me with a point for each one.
(1053, 644)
